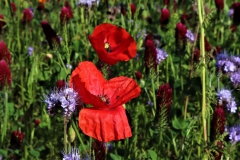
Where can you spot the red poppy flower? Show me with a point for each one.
(113, 43)
(106, 120)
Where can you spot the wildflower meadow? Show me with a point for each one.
(119, 79)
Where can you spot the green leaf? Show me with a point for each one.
(34, 153)
(115, 157)
(152, 154)
(179, 123)
(3, 152)
(11, 108)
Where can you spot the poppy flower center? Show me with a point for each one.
(104, 99)
(107, 47)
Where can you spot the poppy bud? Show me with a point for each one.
(27, 15)
(5, 75)
(37, 122)
(50, 34)
(165, 15)
(133, 9)
(219, 4)
(4, 53)
(71, 134)
(138, 75)
(60, 84)
(2, 22)
(14, 8)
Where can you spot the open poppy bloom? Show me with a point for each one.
(113, 43)
(106, 120)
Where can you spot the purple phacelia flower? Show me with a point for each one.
(227, 63)
(71, 155)
(64, 99)
(230, 12)
(190, 36)
(235, 78)
(225, 97)
(30, 50)
(232, 106)
(234, 133)
(161, 55)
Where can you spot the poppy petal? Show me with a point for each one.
(103, 27)
(120, 90)
(91, 76)
(84, 94)
(105, 125)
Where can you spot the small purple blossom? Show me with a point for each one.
(225, 97)
(69, 66)
(71, 155)
(230, 12)
(30, 50)
(227, 63)
(235, 78)
(234, 133)
(190, 36)
(232, 106)
(161, 55)
(150, 103)
(64, 99)
(87, 2)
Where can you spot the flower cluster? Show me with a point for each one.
(225, 98)
(71, 155)
(234, 133)
(229, 65)
(64, 99)
(66, 13)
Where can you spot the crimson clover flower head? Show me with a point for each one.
(14, 8)
(71, 155)
(133, 9)
(165, 16)
(64, 15)
(66, 4)
(64, 99)
(2, 22)
(27, 15)
(236, 7)
(150, 55)
(17, 139)
(50, 34)
(5, 75)
(225, 97)
(4, 53)
(161, 55)
(234, 133)
(218, 122)
(219, 4)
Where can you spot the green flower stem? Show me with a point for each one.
(4, 131)
(65, 121)
(154, 95)
(79, 137)
(202, 51)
